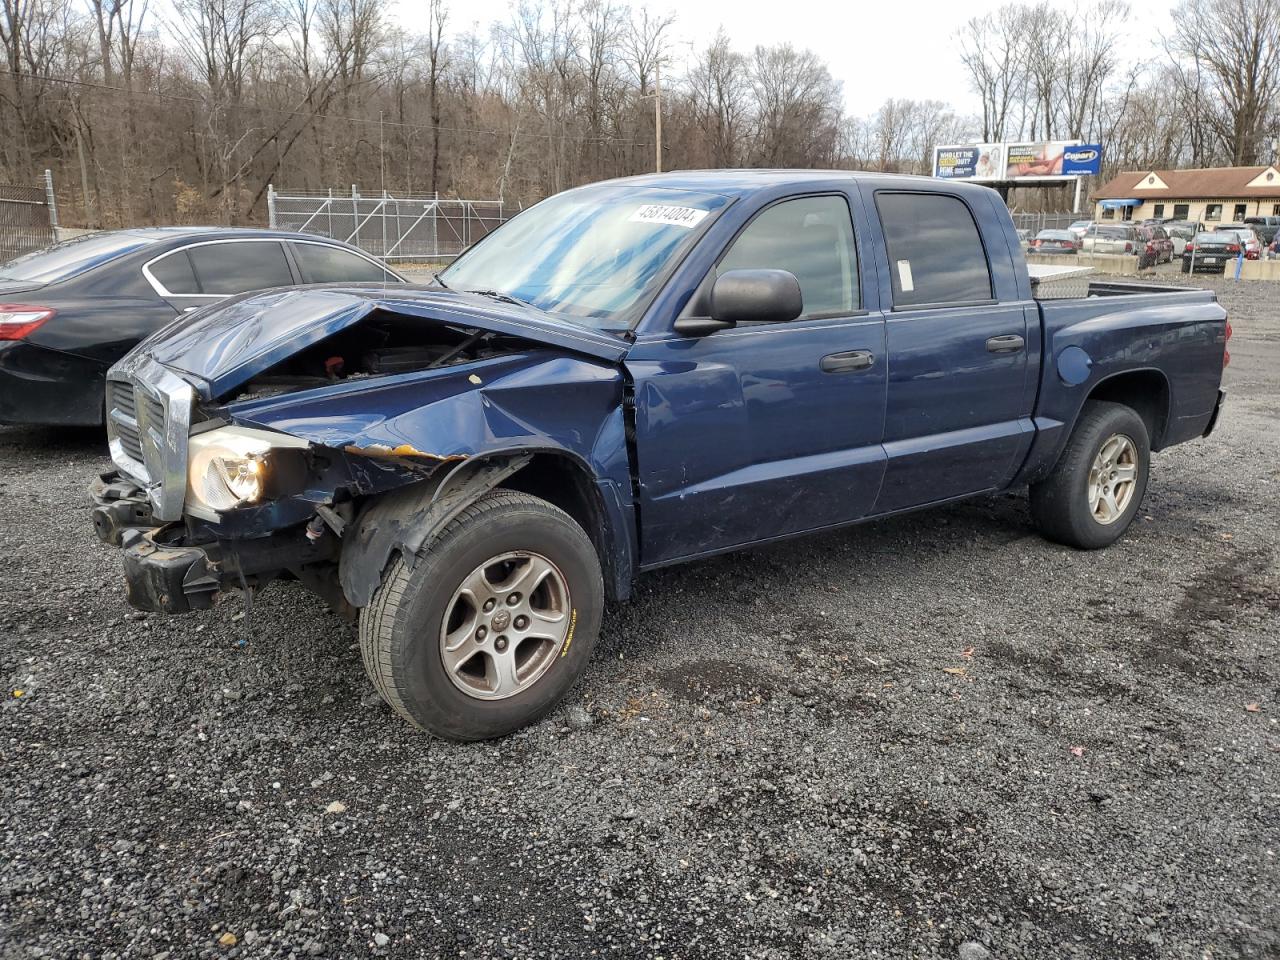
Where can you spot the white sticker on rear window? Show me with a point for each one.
(904, 276)
(687, 217)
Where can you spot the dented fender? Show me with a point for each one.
(428, 443)
(405, 520)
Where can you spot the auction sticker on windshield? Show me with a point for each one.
(687, 217)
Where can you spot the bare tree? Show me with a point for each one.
(994, 52)
(720, 89)
(1232, 50)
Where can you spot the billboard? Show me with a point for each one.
(1004, 162)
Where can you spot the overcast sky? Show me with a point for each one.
(877, 50)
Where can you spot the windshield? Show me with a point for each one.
(593, 254)
(66, 259)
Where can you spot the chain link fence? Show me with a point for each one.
(28, 218)
(401, 229)
(1033, 223)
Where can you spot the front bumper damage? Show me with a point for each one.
(181, 566)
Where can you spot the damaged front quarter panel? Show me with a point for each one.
(410, 451)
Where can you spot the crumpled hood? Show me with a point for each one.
(223, 346)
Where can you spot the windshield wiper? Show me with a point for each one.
(437, 278)
(504, 297)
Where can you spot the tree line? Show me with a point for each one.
(186, 114)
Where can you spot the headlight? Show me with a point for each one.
(229, 467)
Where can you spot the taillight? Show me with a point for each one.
(1191, 248)
(1226, 354)
(19, 320)
(1035, 243)
(1128, 247)
(1233, 248)
(1151, 248)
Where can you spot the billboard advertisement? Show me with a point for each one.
(1082, 159)
(975, 161)
(997, 162)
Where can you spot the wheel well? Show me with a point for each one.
(563, 482)
(1144, 391)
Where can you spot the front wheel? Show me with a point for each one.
(492, 623)
(1094, 491)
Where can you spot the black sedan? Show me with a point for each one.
(1210, 252)
(69, 312)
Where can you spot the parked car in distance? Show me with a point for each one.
(1250, 242)
(1265, 227)
(1054, 242)
(1210, 251)
(1180, 234)
(1121, 240)
(626, 376)
(71, 310)
(1080, 228)
(1157, 246)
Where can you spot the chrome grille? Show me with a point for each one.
(148, 421)
(120, 401)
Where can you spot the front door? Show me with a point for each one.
(769, 429)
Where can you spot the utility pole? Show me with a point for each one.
(657, 115)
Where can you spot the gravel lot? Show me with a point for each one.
(936, 736)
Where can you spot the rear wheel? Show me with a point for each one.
(493, 622)
(1095, 490)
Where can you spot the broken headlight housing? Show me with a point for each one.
(230, 467)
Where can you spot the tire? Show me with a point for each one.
(1061, 504)
(403, 630)
(1186, 267)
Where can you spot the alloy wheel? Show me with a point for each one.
(505, 625)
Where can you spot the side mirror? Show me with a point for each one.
(747, 296)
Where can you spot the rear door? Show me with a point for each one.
(959, 397)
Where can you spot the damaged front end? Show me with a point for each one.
(312, 525)
(311, 434)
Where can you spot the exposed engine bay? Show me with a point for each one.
(382, 344)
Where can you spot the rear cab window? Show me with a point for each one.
(936, 254)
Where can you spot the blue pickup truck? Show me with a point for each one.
(628, 375)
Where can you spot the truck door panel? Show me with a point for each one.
(764, 430)
(957, 410)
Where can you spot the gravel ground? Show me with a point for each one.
(936, 736)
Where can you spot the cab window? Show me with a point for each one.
(810, 237)
(935, 251)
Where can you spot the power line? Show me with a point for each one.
(584, 138)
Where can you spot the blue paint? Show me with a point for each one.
(1074, 366)
(698, 445)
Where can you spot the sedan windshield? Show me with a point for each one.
(594, 255)
(64, 260)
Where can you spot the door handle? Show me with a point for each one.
(848, 362)
(1010, 343)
